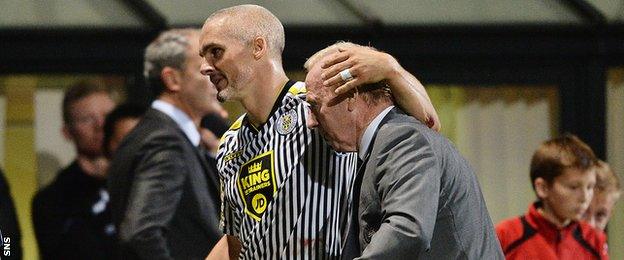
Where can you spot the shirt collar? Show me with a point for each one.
(369, 133)
(547, 229)
(182, 119)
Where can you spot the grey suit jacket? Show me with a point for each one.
(164, 197)
(420, 199)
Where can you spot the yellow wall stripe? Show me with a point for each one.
(20, 157)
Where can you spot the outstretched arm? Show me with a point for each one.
(368, 65)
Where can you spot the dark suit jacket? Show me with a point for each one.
(420, 199)
(164, 197)
(69, 220)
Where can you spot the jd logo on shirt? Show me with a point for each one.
(256, 184)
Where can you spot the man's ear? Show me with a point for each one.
(541, 188)
(171, 79)
(259, 47)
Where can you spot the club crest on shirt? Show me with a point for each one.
(286, 122)
(256, 184)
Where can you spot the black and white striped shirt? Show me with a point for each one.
(285, 192)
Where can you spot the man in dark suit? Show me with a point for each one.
(164, 196)
(415, 196)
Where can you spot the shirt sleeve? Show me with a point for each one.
(227, 215)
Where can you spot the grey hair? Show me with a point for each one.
(169, 49)
(372, 92)
(249, 21)
(319, 55)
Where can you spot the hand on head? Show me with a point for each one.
(365, 64)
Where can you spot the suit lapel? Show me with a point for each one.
(199, 170)
(200, 179)
(361, 172)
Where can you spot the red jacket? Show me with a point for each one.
(533, 237)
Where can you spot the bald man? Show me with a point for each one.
(285, 192)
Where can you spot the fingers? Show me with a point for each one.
(337, 68)
(335, 80)
(335, 58)
(348, 86)
(343, 89)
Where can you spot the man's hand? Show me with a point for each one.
(365, 64)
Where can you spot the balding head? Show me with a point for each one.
(246, 22)
(371, 93)
(334, 48)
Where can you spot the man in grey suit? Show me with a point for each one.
(164, 195)
(415, 196)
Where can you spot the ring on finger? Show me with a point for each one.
(345, 75)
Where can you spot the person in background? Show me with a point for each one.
(164, 195)
(606, 193)
(212, 127)
(563, 176)
(118, 124)
(70, 216)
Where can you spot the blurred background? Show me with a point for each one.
(504, 75)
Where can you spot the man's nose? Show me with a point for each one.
(98, 122)
(311, 121)
(206, 69)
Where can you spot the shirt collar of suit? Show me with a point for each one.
(182, 119)
(369, 133)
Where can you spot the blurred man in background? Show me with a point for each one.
(118, 124)
(164, 194)
(70, 216)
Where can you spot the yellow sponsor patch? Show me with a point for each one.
(256, 184)
(235, 126)
(297, 89)
(232, 155)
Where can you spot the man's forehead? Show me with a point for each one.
(214, 23)
(313, 79)
(213, 33)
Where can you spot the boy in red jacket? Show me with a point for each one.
(563, 177)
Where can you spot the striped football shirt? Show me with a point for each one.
(285, 192)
